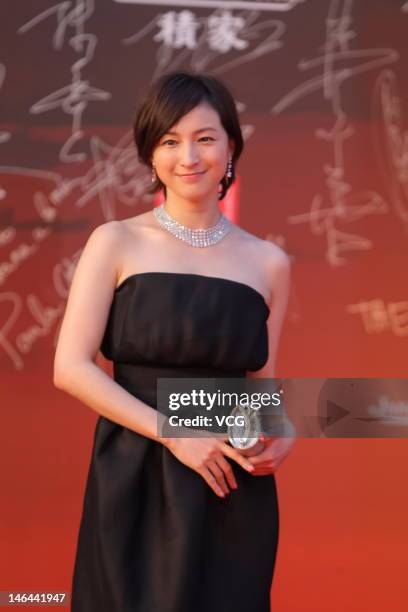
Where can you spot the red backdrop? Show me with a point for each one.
(321, 92)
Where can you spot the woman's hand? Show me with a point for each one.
(274, 452)
(206, 455)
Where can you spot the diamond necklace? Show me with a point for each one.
(194, 237)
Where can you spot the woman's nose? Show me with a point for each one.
(189, 155)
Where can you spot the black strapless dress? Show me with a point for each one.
(153, 536)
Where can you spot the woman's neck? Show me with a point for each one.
(192, 214)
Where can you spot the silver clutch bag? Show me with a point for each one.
(245, 431)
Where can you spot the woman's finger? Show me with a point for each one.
(217, 472)
(234, 454)
(263, 464)
(211, 481)
(228, 471)
(266, 465)
(262, 457)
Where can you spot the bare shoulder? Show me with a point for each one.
(114, 233)
(270, 254)
(275, 257)
(107, 234)
(134, 224)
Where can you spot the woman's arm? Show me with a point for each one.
(277, 448)
(278, 271)
(81, 333)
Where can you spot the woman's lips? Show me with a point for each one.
(191, 177)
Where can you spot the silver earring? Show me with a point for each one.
(229, 168)
(154, 175)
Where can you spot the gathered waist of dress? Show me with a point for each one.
(141, 380)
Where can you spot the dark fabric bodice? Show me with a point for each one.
(178, 320)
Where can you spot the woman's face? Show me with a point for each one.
(198, 144)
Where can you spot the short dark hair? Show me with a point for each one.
(171, 97)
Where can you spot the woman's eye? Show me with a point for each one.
(203, 138)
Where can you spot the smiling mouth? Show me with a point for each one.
(192, 174)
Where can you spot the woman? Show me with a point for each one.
(174, 524)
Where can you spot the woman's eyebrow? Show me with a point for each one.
(204, 129)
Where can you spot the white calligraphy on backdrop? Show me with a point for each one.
(339, 63)
(74, 98)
